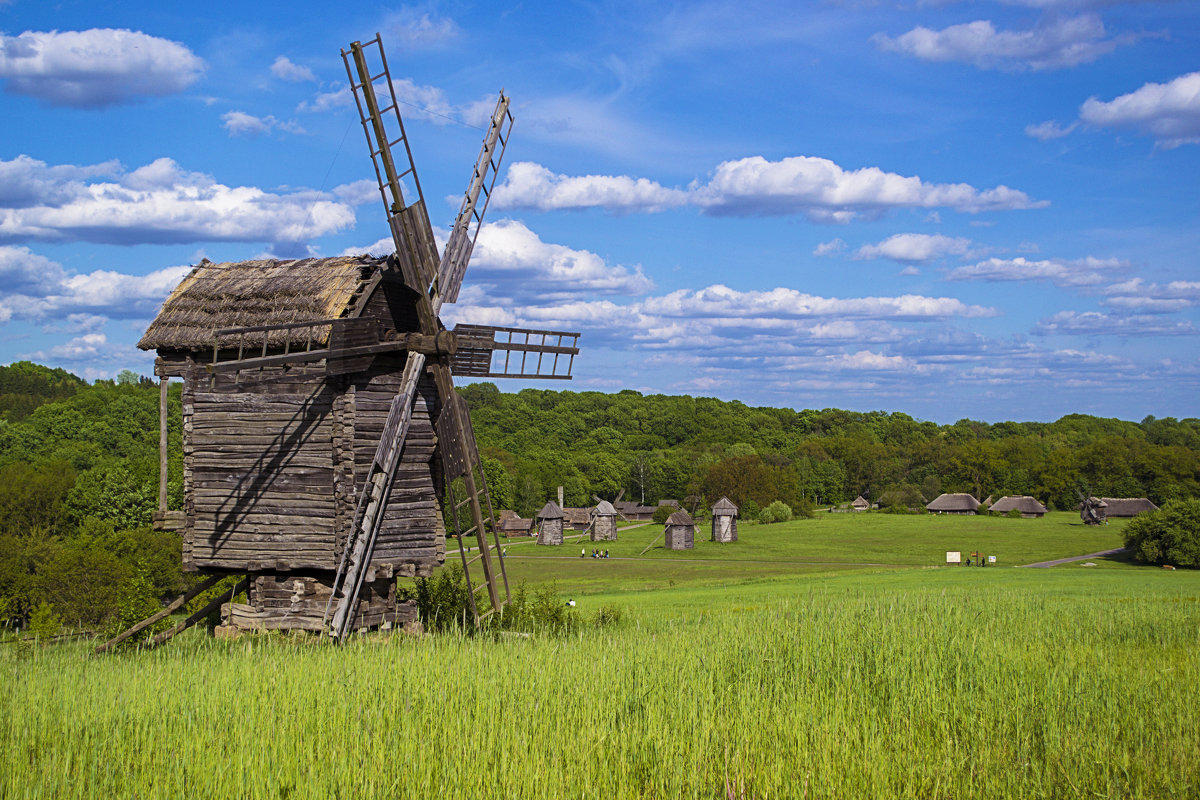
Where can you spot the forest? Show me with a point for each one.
(79, 469)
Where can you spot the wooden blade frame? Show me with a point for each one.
(477, 344)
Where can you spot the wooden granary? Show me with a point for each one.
(680, 531)
(1026, 506)
(604, 522)
(322, 435)
(550, 524)
(724, 521)
(959, 503)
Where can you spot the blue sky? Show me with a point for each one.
(951, 209)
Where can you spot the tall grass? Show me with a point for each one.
(953, 686)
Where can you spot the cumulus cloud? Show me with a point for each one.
(914, 248)
(1154, 298)
(1095, 323)
(815, 187)
(531, 186)
(158, 203)
(327, 101)
(1055, 43)
(37, 287)
(95, 68)
(287, 70)
(1088, 271)
(1170, 112)
(239, 123)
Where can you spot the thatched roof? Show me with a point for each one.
(1127, 506)
(671, 503)
(954, 502)
(266, 292)
(577, 516)
(604, 509)
(631, 508)
(550, 511)
(1022, 503)
(860, 502)
(680, 518)
(724, 507)
(514, 524)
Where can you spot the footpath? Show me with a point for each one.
(1057, 561)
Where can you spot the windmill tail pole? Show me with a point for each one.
(212, 606)
(652, 542)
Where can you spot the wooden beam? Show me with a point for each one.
(171, 608)
(212, 606)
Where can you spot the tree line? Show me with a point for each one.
(79, 469)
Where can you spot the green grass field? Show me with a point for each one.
(802, 680)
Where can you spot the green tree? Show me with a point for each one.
(1170, 535)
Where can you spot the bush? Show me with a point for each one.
(897, 508)
(441, 600)
(1170, 535)
(749, 510)
(1012, 513)
(778, 511)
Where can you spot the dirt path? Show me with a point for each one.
(1057, 561)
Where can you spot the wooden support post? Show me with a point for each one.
(163, 384)
(213, 605)
(171, 608)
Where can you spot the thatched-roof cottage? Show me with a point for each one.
(511, 523)
(1024, 504)
(860, 504)
(604, 522)
(680, 531)
(954, 504)
(724, 521)
(550, 524)
(1127, 506)
(273, 459)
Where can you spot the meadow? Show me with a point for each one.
(826, 681)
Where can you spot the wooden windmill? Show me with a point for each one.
(322, 432)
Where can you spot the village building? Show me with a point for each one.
(550, 524)
(860, 504)
(633, 511)
(1127, 506)
(959, 503)
(604, 522)
(1028, 507)
(680, 531)
(724, 521)
(510, 523)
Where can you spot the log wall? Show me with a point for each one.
(724, 528)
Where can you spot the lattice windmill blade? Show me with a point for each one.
(470, 214)
(416, 250)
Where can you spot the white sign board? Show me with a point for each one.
(991, 559)
(953, 557)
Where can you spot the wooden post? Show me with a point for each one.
(212, 606)
(163, 383)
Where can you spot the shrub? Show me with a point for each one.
(43, 622)
(750, 509)
(441, 600)
(778, 511)
(1170, 535)
(1012, 513)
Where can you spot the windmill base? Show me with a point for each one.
(293, 601)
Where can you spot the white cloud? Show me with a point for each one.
(95, 68)
(1154, 298)
(412, 28)
(529, 185)
(1044, 131)
(285, 69)
(1057, 42)
(1095, 323)
(815, 187)
(327, 101)
(1168, 111)
(829, 248)
(1088, 271)
(162, 203)
(823, 191)
(915, 247)
(239, 123)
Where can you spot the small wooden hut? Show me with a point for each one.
(680, 531)
(550, 524)
(633, 511)
(510, 523)
(960, 503)
(576, 518)
(860, 504)
(1127, 506)
(1028, 507)
(604, 522)
(724, 521)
